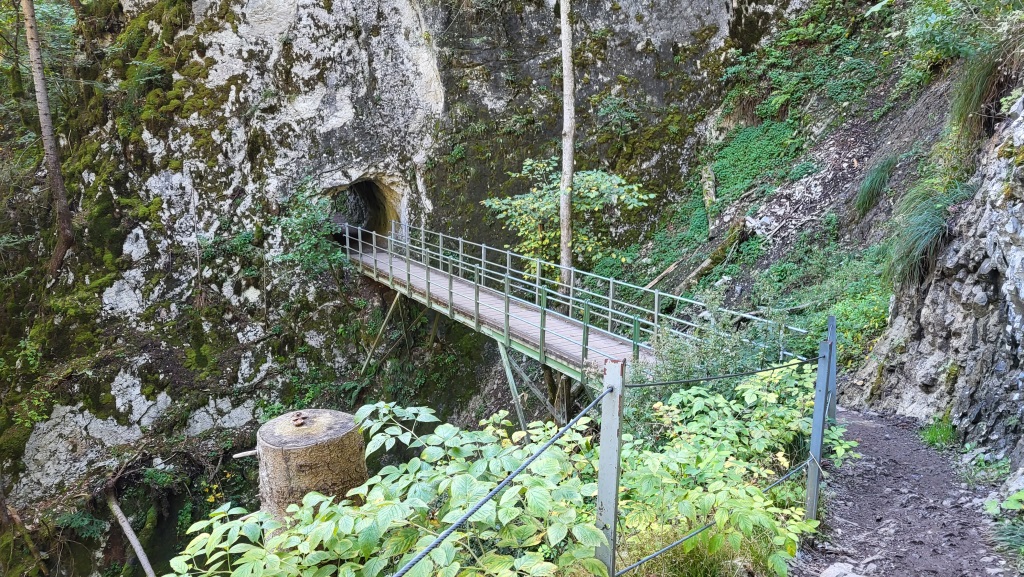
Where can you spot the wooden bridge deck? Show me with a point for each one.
(563, 336)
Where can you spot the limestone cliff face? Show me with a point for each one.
(177, 182)
(957, 342)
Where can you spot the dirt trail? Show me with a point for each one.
(901, 510)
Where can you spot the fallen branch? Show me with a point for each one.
(115, 509)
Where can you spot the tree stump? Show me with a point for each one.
(312, 450)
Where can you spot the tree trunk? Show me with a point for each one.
(65, 235)
(129, 533)
(568, 141)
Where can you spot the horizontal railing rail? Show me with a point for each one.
(602, 305)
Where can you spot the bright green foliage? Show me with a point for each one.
(537, 524)
(818, 278)
(83, 523)
(1009, 533)
(706, 463)
(713, 454)
(533, 216)
(940, 433)
(751, 154)
(816, 54)
(307, 229)
(874, 185)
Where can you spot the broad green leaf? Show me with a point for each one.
(556, 532)
(588, 535)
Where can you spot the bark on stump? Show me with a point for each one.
(312, 450)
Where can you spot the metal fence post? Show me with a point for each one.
(586, 341)
(636, 338)
(609, 464)
(476, 298)
(543, 323)
(611, 303)
(373, 241)
(833, 359)
(508, 339)
(817, 433)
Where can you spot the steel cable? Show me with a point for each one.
(721, 377)
(494, 492)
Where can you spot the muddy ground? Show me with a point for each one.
(901, 510)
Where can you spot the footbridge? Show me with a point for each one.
(523, 304)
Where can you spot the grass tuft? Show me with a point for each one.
(874, 184)
(1010, 538)
(922, 227)
(940, 433)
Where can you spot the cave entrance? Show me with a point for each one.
(366, 204)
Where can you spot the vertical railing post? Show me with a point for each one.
(476, 298)
(373, 241)
(833, 359)
(657, 311)
(426, 268)
(462, 270)
(508, 335)
(611, 303)
(636, 338)
(536, 286)
(817, 433)
(586, 341)
(451, 291)
(391, 255)
(543, 324)
(609, 460)
(483, 263)
(408, 263)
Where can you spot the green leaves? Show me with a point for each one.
(713, 455)
(534, 216)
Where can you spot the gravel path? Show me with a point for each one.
(901, 510)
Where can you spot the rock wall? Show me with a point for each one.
(955, 343)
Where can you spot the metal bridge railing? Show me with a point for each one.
(601, 304)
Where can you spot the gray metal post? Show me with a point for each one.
(543, 323)
(586, 340)
(609, 461)
(536, 285)
(508, 339)
(833, 359)
(817, 434)
(483, 263)
(451, 292)
(611, 303)
(373, 241)
(476, 299)
(462, 269)
(426, 275)
(657, 311)
(408, 264)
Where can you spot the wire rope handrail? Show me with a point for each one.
(497, 489)
(700, 530)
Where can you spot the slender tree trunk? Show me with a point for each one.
(568, 141)
(65, 235)
(129, 532)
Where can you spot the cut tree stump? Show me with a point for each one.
(312, 450)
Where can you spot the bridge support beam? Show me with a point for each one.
(516, 400)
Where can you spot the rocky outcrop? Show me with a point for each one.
(956, 343)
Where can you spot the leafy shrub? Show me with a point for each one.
(533, 216)
(618, 115)
(874, 185)
(940, 433)
(705, 463)
(307, 229)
